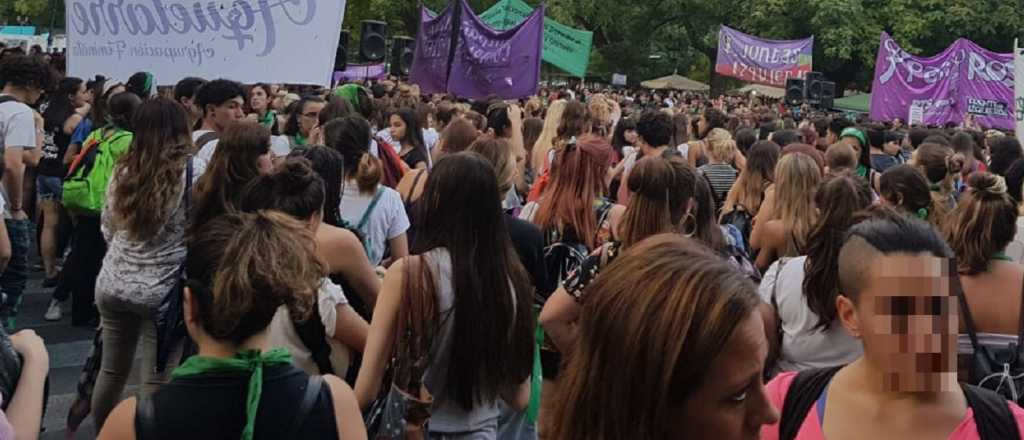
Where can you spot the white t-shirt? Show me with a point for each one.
(387, 221)
(803, 346)
(279, 146)
(205, 151)
(283, 333)
(17, 130)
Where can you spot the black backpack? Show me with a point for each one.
(741, 219)
(566, 252)
(1000, 369)
(992, 414)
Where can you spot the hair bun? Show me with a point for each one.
(295, 175)
(987, 184)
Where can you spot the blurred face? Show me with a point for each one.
(225, 114)
(258, 99)
(702, 124)
(81, 97)
(908, 322)
(309, 117)
(630, 136)
(731, 403)
(397, 128)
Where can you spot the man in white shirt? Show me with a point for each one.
(21, 133)
(221, 102)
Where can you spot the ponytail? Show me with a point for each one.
(368, 173)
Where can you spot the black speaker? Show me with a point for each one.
(373, 41)
(341, 54)
(813, 82)
(795, 92)
(828, 94)
(402, 53)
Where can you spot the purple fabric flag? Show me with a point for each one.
(358, 72)
(433, 49)
(964, 78)
(502, 63)
(760, 61)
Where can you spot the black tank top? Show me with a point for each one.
(213, 407)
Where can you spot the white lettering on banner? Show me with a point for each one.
(977, 67)
(483, 51)
(244, 40)
(987, 107)
(758, 74)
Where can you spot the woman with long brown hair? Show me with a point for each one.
(748, 192)
(788, 213)
(801, 292)
(455, 138)
(144, 221)
(662, 199)
(978, 231)
(242, 155)
(670, 346)
(478, 300)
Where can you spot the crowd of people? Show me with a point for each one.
(367, 261)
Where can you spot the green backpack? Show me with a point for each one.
(86, 185)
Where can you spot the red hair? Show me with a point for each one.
(577, 180)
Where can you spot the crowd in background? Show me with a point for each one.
(369, 260)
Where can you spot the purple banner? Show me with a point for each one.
(433, 48)
(486, 61)
(965, 78)
(760, 61)
(359, 72)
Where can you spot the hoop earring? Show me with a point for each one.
(688, 220)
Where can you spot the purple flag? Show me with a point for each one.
(433, 49)
(760, 61)
(964, 78)
(485, 62)
(503, 63)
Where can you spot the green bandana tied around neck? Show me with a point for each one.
(267, 120)
(862, 171)
(300, 140)
(249, 362)
(1001, 257)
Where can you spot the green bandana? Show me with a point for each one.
(1001, 257)
(300, 140)
(862, 171)
(350, 92)
(249, 362)
(267, 120)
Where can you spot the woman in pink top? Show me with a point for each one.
(895, 297)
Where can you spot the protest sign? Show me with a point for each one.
(760, 61)
(485, 61)
(244, 40)
(964, 78)
(1018, 87)
(619, 79)
(916, 114)
(564, 47)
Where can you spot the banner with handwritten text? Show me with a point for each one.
(760, 61)
(492, 62)
(280, 41)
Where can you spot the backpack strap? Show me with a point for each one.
(369, 209)
(206, 138)
(313, 335)
(803, 392)
(415, 182)
(145, 418)
(992, 414)
(965, 310)
(313, 387)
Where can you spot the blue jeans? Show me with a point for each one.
(14, 277)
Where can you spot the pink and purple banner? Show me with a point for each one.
(360, 72)
(760, 61)
(485, 61)
(964, 78)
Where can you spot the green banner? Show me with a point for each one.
(564, 47)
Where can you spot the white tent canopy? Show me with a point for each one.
(676, 81)
(763, 90)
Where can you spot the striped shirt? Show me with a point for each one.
(721, 177)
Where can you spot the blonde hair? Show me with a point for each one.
(546, 141)
(721, 146)
(796, 181)
(498, 152)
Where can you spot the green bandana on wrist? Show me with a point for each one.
(249, 362)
